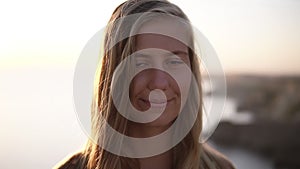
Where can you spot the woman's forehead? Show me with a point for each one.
(144, 41)
(168, 28)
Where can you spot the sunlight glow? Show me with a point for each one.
(249, 36)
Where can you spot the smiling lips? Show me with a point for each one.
(156, 103)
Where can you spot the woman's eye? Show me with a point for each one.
(175, 62)
(141, 64)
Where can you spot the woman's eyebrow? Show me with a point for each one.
(179, 53)
(142, 55)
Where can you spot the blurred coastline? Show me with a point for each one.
(273, 131)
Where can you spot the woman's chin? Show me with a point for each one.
(161, 122)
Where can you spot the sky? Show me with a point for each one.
(40, 43)
(258, 36)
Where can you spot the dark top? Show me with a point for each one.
(218, 160)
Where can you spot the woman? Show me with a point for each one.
(149, 52)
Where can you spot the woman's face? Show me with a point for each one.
(162, 63)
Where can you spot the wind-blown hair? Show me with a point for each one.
(186, 155)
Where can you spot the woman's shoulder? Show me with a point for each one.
(74, 161)
(216, 158)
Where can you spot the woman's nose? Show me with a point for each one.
(158, 80)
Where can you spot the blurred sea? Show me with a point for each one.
(241, 158)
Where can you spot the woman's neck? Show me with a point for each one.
(161, 161)
(143, 131)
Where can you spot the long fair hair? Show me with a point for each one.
(186, 154)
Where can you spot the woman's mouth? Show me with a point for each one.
(158, 104)
(155, 103)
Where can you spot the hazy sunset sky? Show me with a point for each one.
(259, 36)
